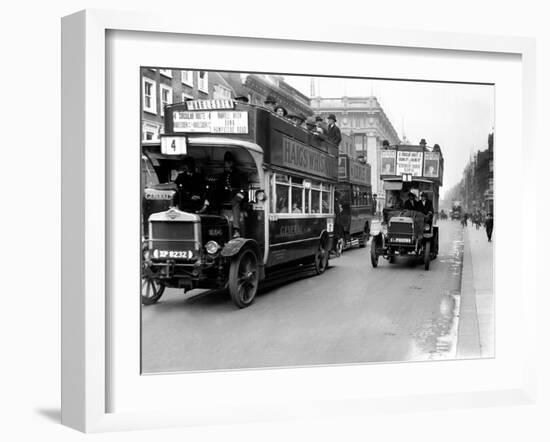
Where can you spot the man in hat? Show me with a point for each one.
(191, 186)
(321, 126)
(229, 189)
(296, 119)
(426, 207)
(310, 124)
(333, 131)
(270, 102)
(411, 203)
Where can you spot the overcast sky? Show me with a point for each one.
(458, 117)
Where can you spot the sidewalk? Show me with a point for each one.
(476, 323)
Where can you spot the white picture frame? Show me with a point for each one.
(86, 314)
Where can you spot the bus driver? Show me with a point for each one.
(228, 189)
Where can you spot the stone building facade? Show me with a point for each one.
(364, 120)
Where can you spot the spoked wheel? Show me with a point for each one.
(321, 257)
(151, 288)
(338, 250)
(427, 247)
(244, 278)
(373, 254)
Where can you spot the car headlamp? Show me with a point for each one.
(212, 247)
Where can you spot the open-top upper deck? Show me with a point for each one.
(412, 163)
(284, 144)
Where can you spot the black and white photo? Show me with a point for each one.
(302, 220)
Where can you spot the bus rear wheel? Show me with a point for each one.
(321, 256)
(427, 259)
(244, 278)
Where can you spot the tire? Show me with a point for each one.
(363, 239)
(151, 290)
(339, 249)
(373, 254)
(244, 278)
(391, 258)
(320, 260)
(427, 247)
(435, 249)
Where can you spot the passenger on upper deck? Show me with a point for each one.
(333, 133)
(191, 186)
(270, 103)
(280, 110)
(321, 126)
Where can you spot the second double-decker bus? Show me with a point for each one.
(287, 215)
(354, 203)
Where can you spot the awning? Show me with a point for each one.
(393, 185)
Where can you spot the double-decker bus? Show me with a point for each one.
(354, 203)
(287, 216)
(409, 171)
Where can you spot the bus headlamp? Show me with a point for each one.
(212, 247)
(260, 195)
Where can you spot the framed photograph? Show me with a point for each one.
(251, 233)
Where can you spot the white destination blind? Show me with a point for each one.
(215, 122)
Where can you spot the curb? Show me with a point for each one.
(468, 340)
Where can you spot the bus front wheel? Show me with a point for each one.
(244, 278)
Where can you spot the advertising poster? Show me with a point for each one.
(431, 164)
(388, 162)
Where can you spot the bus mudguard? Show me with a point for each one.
(234, 246)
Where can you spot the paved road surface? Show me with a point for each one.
(350, 314)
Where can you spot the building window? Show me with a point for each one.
(187, 77)
(221, 92)
(166, 72)
(203, 81)
(150, 132)
(149, 96)
(165, 97)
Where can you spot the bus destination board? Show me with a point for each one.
(214, 122)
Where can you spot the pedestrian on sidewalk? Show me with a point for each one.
(489, 220)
